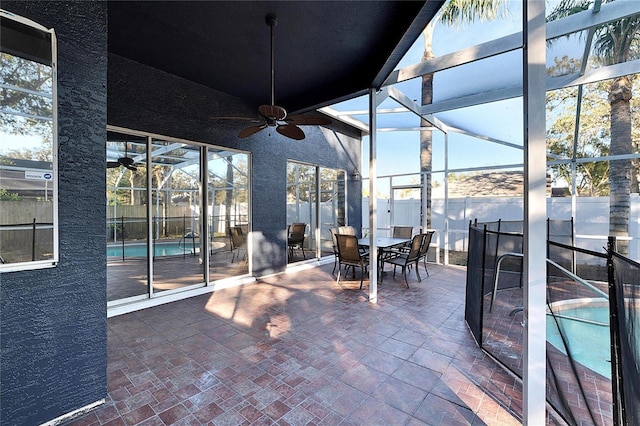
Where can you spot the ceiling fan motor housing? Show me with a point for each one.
(271, 19)
(276, 116)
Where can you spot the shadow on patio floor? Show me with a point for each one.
(298, 349)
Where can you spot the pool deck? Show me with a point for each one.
(300, 349)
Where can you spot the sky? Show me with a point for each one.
(398, 152)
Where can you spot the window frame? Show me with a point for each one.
(34, 27)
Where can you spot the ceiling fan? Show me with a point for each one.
(125, 161)
(276, 116)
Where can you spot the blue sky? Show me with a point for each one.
(398, 152)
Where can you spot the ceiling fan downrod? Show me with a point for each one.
(272, 20)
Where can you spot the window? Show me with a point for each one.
(28, 181)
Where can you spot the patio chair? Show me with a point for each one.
(238, 242)
(347, 230)
(334, 243)
(408, 259)
(424, 249)
(402, 232)
(349, 255)
(296, 239)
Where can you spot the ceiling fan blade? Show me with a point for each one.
(274, 112)
(291, 131)
(307, 120)
(131, 167)
(113, 164)
(251, 130)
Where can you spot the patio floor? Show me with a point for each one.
(298, 349)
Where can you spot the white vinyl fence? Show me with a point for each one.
(591, 220)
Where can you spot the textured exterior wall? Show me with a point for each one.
(53, 321)
(146, 99)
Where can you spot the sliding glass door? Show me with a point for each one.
(172, 206)
(315, 192)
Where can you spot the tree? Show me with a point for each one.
(454, 12)
(21, 111)
(613, 43)
(592, 178)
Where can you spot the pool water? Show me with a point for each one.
(586, 328)
(160, 249)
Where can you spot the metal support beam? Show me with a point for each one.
(205, 232)
(373, 203)
(535, 212)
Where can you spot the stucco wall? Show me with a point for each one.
(146, 99)
(53, 321)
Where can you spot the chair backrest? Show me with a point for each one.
(348, 248)
(297, 233)
(402, 232)
(238, 239)
(347, 230)
(416, 246)
(334, 231)
(426, 242)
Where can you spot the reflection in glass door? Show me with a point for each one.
(126, 216)
(301, 206)
(228, 212)
(155, 216)
(332, 206)
(175, 221)
(303, 195)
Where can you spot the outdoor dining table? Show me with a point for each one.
(383, 244)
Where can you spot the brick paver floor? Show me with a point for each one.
(299, 349)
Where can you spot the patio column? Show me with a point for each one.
(535, 212)
(373, 201)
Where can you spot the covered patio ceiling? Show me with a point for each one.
(325, 51)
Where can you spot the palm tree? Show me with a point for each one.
(454, 12)
(614, 43)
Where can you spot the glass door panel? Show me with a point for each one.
(332, 206)
(176, 222)
(126, 221)
(228, 211)
(301, 207)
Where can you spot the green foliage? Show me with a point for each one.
(34, 77)
(460, 12)
(7, 196)
(594, 136)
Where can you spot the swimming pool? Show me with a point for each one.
(160, 249)
(585, 323)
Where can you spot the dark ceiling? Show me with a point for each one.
(324, 50)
